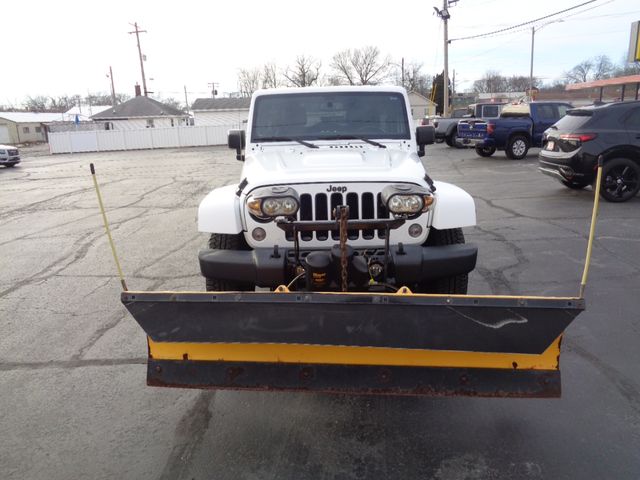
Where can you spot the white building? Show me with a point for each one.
(421, 106)
(141, 112)
(228, 112)
(25, 127)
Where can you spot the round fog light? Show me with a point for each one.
(415, 230)
(258, 234)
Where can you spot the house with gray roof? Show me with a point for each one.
(227, 112)
(141, 112)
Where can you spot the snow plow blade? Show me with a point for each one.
(356, 343)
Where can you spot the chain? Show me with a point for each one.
(343, 212)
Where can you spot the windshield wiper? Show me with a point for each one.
(289, 139)
(355, 137)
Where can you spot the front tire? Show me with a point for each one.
(452, 285)
(485, 151)
(620, 180)
(517, 148)
(222, 241)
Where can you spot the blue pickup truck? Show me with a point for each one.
(519, 128)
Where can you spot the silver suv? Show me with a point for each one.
(9, 155)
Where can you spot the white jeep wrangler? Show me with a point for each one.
(333, 196)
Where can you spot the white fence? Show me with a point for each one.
(106, 140)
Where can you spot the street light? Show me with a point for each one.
(533, 36)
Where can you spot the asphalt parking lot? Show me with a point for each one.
(72, 361)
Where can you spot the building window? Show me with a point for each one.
(150, 123)
(172, 123)
(25, 129)
(108, 125)
(38, 129)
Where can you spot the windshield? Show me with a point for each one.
(330, 115)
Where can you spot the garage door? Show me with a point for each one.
(4, 134)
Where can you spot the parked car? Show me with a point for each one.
(519, 128)
(447, 128)
(9, 156)
(572, 147)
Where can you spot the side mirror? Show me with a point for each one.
(425, 135)
(236, 141)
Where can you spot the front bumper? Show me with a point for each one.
(10, 161)
(264, 268)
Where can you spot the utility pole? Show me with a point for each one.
(186, 101)
(144, 80)
(402, 72)
(445, 80)
(533, 35)
(445, 16)
(113, 88)
(214, 92)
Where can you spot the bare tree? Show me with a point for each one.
(519, 83)
(491, 82)
(105, 98)
(580, 73)
(361, 66)
(555, 86)
(248, 81)
(304, 73)
(344, 73)
(413, 79)
(602, 67)
(172, 102)
(270, 76)
(39, 103)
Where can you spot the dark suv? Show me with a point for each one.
(572, 145)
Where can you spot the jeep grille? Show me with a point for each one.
(321, 206)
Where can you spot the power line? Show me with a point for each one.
(524, 23)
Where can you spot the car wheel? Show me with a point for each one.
(620, 180)
(485, 151)
(456, 284)
(575, 184)
(518, 147)
(221, 241)
(451, 138)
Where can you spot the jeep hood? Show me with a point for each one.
(330, 164)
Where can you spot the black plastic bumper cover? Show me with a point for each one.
(414, 264)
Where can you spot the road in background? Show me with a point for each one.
(72, 361)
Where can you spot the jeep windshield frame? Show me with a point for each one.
(330, 116)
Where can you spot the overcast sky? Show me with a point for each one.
(66, 47)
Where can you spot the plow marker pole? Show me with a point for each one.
(592, 230)
(106, 227)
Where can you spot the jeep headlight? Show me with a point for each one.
(273, 202)
(406, 199)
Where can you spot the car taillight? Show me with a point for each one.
(490, 128)
(578, 137)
